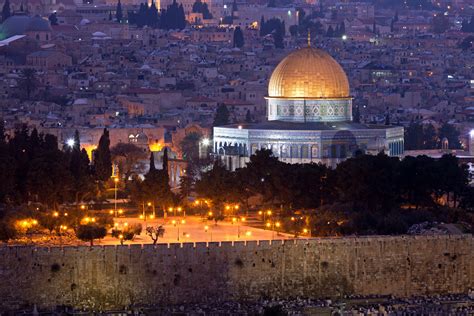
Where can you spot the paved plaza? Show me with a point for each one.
(195, 229)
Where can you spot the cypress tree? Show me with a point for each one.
(238, 37)
(6, 12)
(165, 160)
(102, 158)
(119, 13)
(152, 163)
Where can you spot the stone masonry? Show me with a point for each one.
(112, 277)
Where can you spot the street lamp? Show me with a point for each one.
(206, 229)
(71, 142)
(116, 180)
(177, 223)
(238, 221)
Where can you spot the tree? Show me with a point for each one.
(28, 81)
(118, 12)
(248, 117)
(173, 17)
(199, 7)
(103, 158)
(53, 18)
(79, 167)
(414, 136)
(127, 233)
(48, 178)
(6, 162)
(430, 139)
(214, 186)
(165, 160)
(127, 157)
(278, 35)
(156, 186)
(7, 227)
(452, 179)
(6, 12)
(190, 147)
(222, 116)
(89, 232)
(452, 134)
(238, 37)
(155, 232)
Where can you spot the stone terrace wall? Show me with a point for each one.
(112, 277)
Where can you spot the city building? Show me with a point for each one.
(309, 118)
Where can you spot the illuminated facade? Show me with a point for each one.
(309, 118)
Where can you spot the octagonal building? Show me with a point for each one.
(309, 118)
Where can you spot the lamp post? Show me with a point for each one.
(176, 224)
(116, 180)
(238, 221)
(206, 229)
(272, 225)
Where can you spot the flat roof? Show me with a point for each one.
(300, 126)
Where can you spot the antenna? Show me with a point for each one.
(309, 37)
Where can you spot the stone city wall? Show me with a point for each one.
(111, 277)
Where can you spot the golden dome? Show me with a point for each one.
(308, 73)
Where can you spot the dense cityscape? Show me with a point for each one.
(242, 129)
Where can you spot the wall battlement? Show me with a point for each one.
(110, 277)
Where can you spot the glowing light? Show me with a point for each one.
(89, 149)
(471, 133)
(141, 216)
(120, 211)
(183, 221)
(155, 146)
(344, 37)
(210, 213)
(260, 212)
(152, 216)
(71, 142)
(111, 212)
(305, 231)
(55, 214)
(268, 225)
(248, 233)
(206, 228)
(206, 141)
(173, 222)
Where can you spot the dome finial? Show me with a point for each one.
(309, 37)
